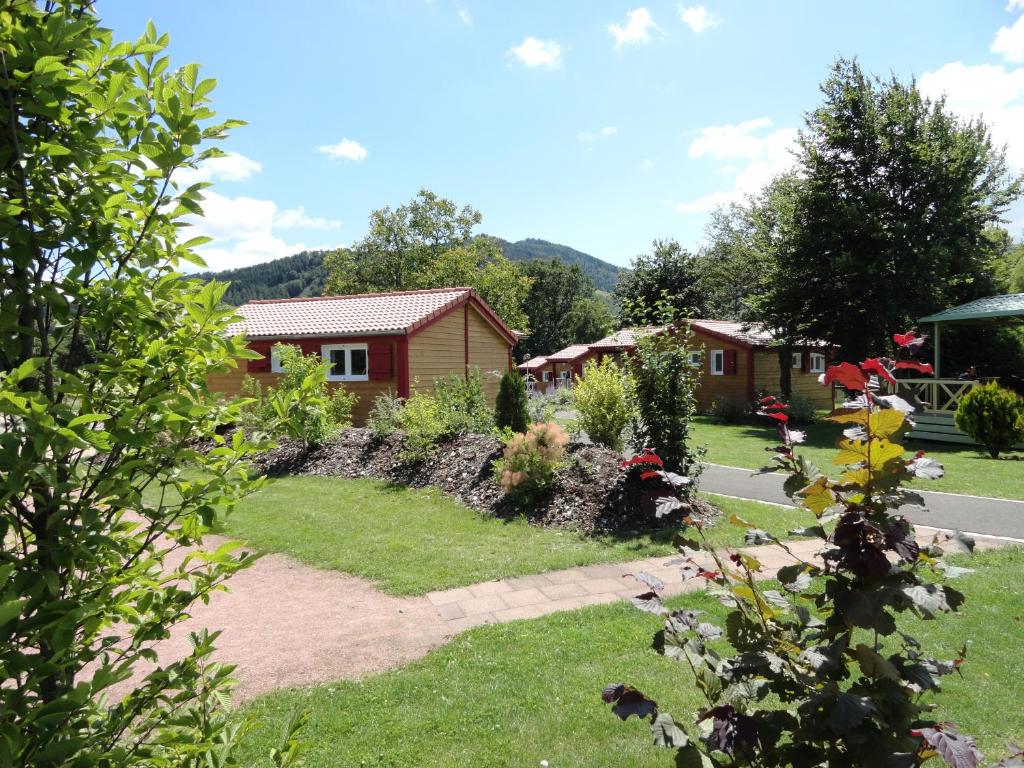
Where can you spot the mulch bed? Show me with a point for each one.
(592, 493)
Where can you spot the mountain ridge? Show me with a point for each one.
(302, 274)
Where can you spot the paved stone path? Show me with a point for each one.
(288, 624)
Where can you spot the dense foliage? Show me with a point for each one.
(527, 465)
(302, 405)
(289, 277)
(429, 243)
(599, 397)
(663, 399)
(510, 408)
(385, 415)
(888, 186)
(561, 309)
(818, 673)
(992, 416)
(456, 405)
(669, 274)
(104, 357)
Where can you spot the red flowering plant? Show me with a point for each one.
(818, 673)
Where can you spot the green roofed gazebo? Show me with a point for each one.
(1006, 309)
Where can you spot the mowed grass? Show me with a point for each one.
(519, 693)
(412, 541)
(968, 469)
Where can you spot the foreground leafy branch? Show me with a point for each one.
(819, 673)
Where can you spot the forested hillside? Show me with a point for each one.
(601, 272)
(303, 274)
(298, 275)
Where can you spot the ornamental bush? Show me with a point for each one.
(386, 415)
(510, 409)
(455, 406)
(600, 397)
(818, 674)
(662, 388)
(992, 416)
(527, 467)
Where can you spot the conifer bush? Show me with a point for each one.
(510, 409)
(993, 416)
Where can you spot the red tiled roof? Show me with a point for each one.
(747, 334)
(360, 314)
(533, 362)
(569, 354)
(626, 338)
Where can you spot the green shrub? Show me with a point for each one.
(463, 404)
(801, 409)
(339, 407)
(386, 415)
(424, 426)
(992, 416)
(729, 410)
(510, 408)
(600, 397)
(301, 405)
(663, 399)
(527, 466)
(541, 409)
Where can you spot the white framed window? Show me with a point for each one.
(349, 362)
(817, 362)
(718, 362)
(275, 359)
(695, 359)
(546, 376)
(797, 360)
(565, 375)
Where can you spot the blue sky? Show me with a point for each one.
(600, 125)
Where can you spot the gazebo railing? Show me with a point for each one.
(935, 394)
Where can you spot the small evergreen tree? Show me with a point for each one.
(600, 397)
(992, 416)
(510, 408)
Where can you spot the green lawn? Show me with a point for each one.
(967, 469)
(412, 541)
(519, 693)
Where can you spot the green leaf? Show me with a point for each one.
(87, 418)
(11, 610)
(667, 732)
(849, 712)
(875, 666)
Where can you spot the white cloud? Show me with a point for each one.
(1015, 5)
(636, 30)
(465, 17)
(538, 53)
(698, 18)
(1009, 42)
(347, 149)
(749, 155)
(297, 218)
(589, 137)
(989, 91)
(232, 166)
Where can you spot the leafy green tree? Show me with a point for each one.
(429, 243)
(668, 274)
(554, 293)
(993, 416)
(104, 357)
(599, 397)
(589, 320)
(894, 188)
(510, 408)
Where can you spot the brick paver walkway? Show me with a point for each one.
(527, 597)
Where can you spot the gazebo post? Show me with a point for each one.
(938, 351)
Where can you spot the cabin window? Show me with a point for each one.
(797, 360)
(695, 359)
(349, 362)
(718, 362)
(546, 376)
(817, 362)
(275, 359)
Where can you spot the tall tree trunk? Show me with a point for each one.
(786, 371)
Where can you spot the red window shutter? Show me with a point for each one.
(730, 362)
(380, 362)
(263, 364)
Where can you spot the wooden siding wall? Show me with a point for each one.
(488, 351)
(766, 376)
(436, 351)
(732, 386)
